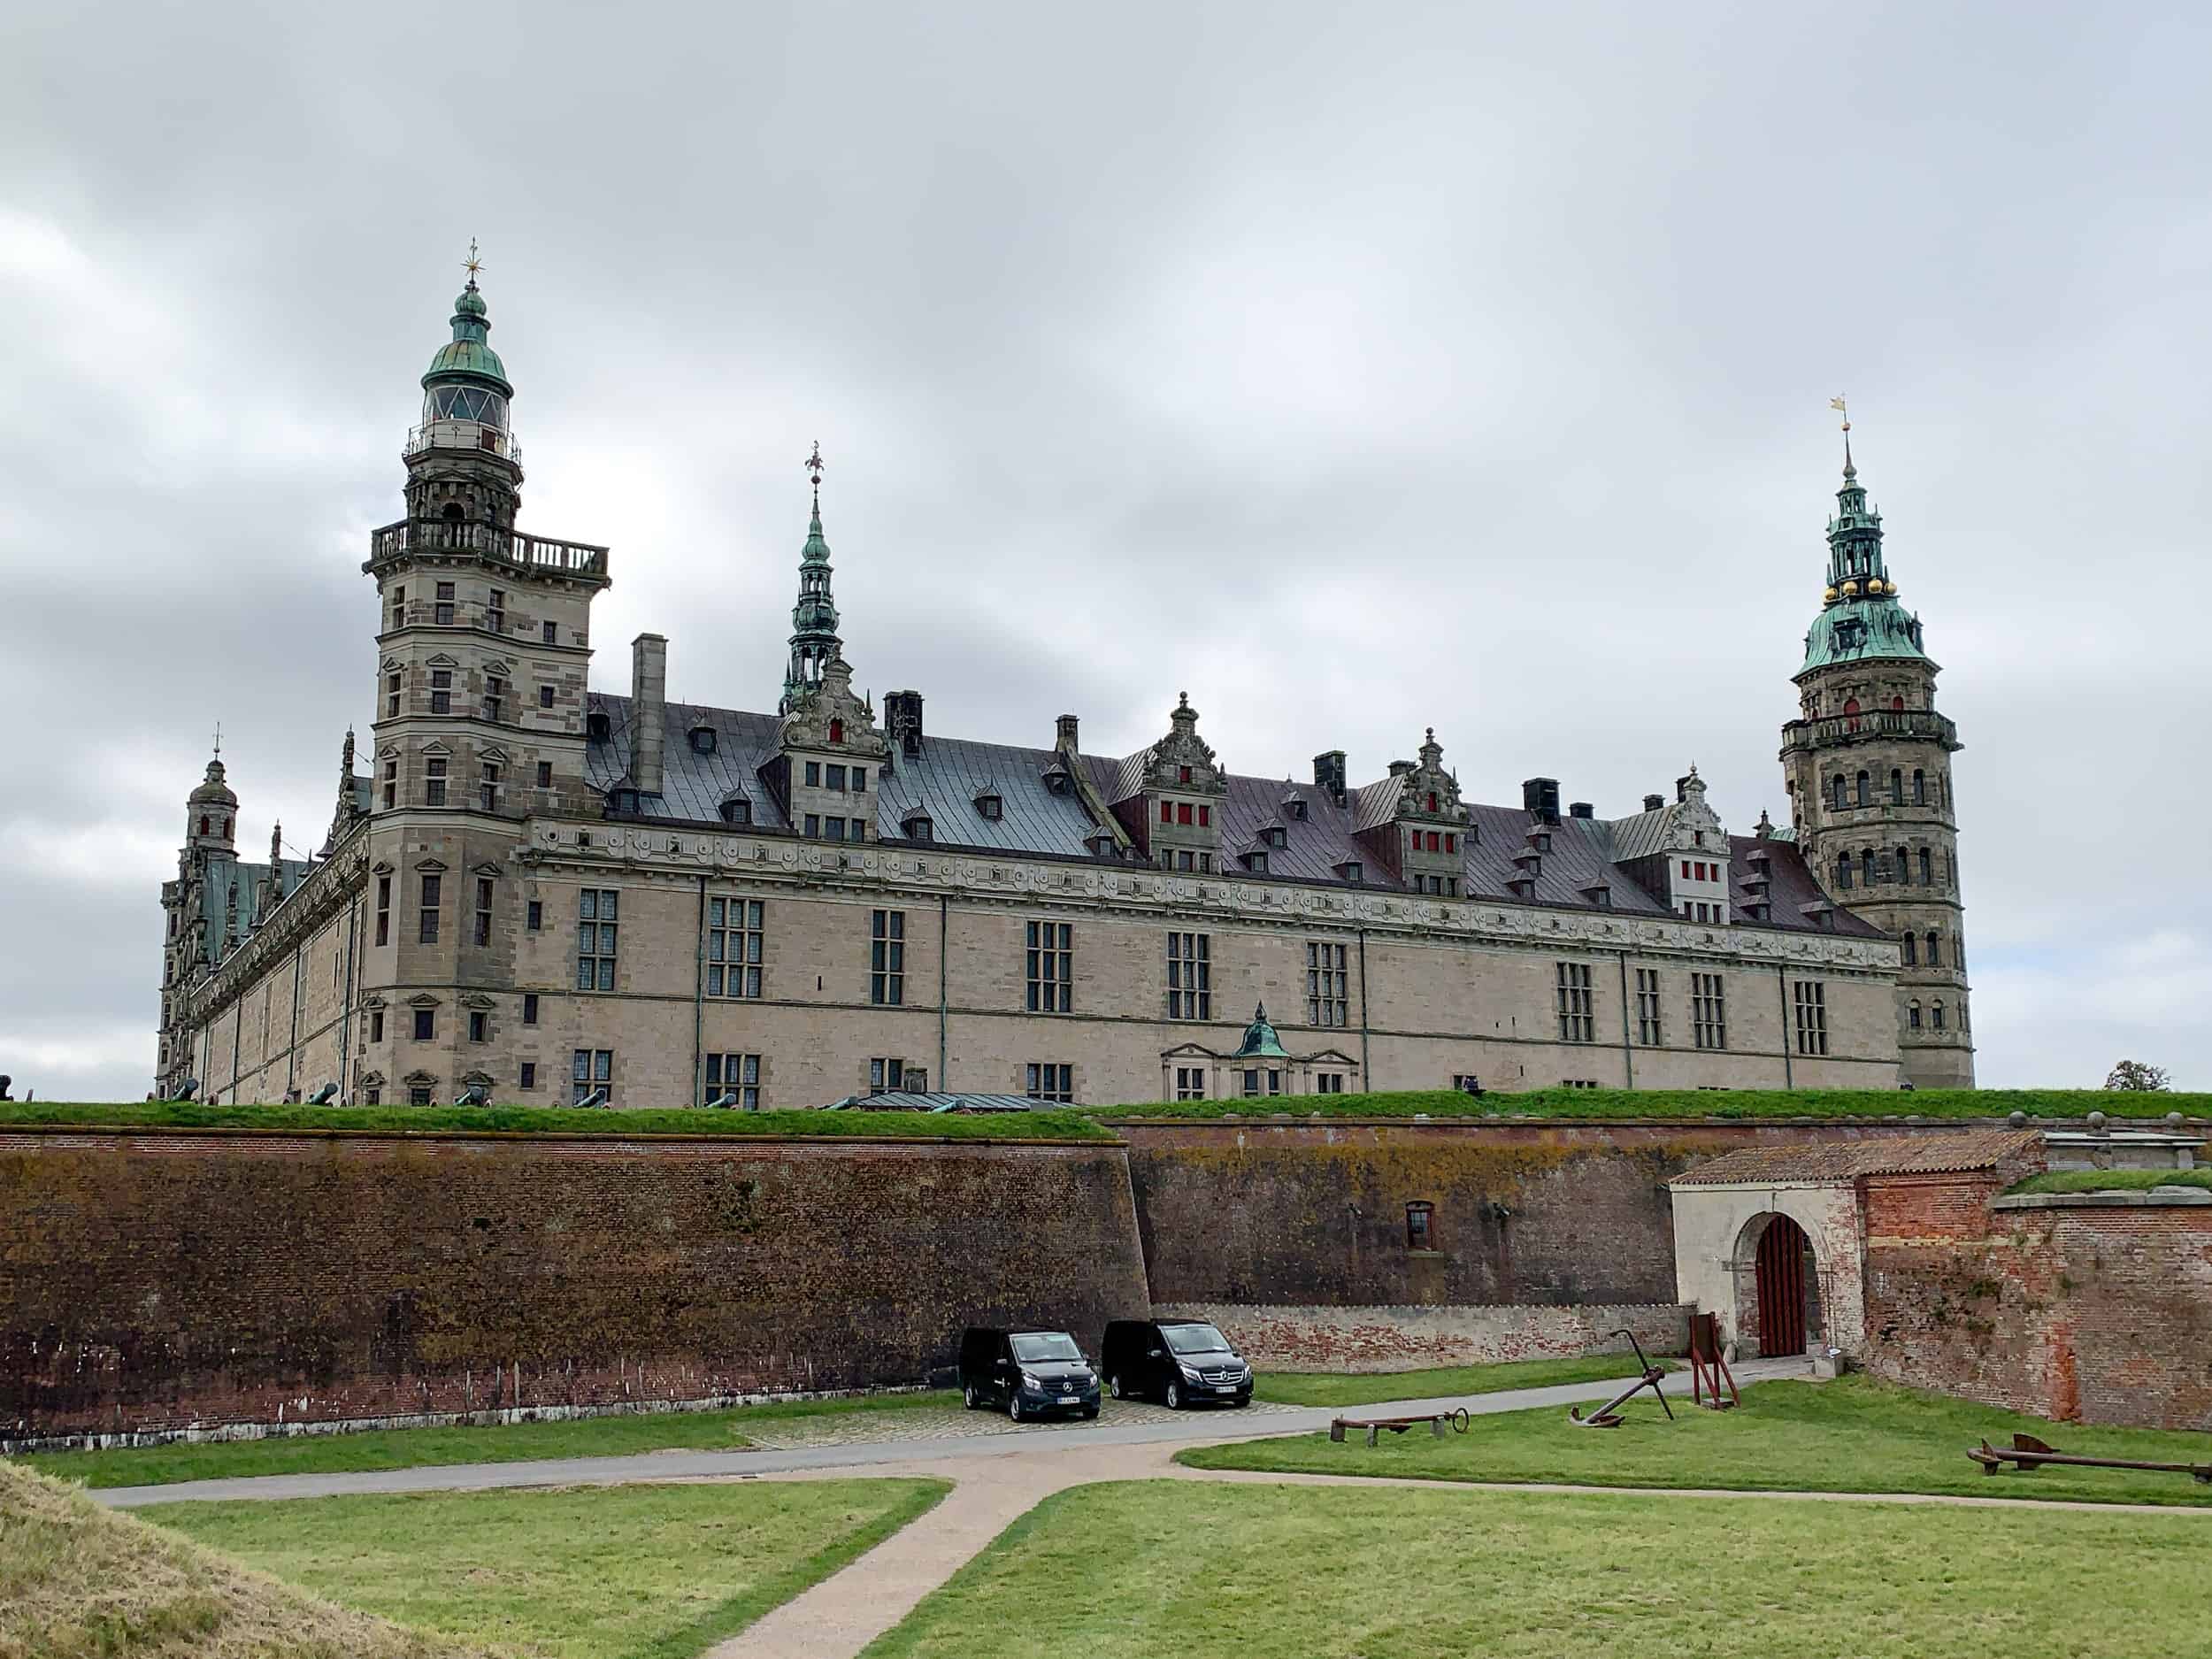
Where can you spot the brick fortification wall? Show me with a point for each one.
(2089, 1306)
(153, 1280)
(1406, 1339)
(1314, 1213)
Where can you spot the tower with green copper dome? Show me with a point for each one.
(1868, 766)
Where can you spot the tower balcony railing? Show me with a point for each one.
(1868, 726)
(474, 436)
(486, 541)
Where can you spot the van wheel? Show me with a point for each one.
(1175, 1396)
(1014, 1406)
(969, 1398)
(1119, 1389)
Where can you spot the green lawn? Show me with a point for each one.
(1692, 1103)
(1328, 1389)
(1135, 1570)
(410, 1448)
(615, 1572)
(1851, 1435)
(1038, 1125)
(2112, 1181)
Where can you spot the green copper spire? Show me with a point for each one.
(1260, 1042)
(1860, 617)
(814, 641)
(469, 356)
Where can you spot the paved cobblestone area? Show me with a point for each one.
(872, 1428)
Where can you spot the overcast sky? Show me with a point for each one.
(1355, 368)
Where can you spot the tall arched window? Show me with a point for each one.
(1936, 1012)
(1898, 705)
(1919, 786)
(1904, 870)
(1912, 1013)
(204, 823)
(1896, 787)
(1866, 793)
(1927, 868)
(225, 829)
(1912, 957)
(1837, 790)
(1866, 866)
(1851, 711)
(1935, 949)
(837, 731)
(1843, 872)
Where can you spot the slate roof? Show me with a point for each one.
(944, 779)
(223, 877)
(1840, 1160)
(899, 1100)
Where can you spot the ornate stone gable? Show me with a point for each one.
(1182, 760)
(830, 717)
(1428, 792)
(1692, 826)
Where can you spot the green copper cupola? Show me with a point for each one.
(466, 382)
(1860, 618)
(814, 641)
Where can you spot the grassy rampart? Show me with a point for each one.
(1614, 1104)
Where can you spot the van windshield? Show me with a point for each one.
(1194, 1338)
(1053, 1344)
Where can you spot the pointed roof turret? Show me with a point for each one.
(1260, 1042)
(1860, 617)
(468, 358)
(814, 641)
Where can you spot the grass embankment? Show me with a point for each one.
(1664, 1103)
(1329, 1388)
(2112, 1181)
(413, 1448)
(604, 1572)
(1039, 1126)
(1853, 1434)
(77, 1580)
(1134, 1569)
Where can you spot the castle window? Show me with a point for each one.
(425, 1024)
(205, 823)
(1649, 1023)
(886, 958)
(399, 607)
(591, 1072)
(426, 930)
(1257, 863)
(1912, 1014)
(1844, 868)
(1328, 1001)
(530, 1008)
(1420, 1226)
(1927, 868)
(1838, 788)
(479, 1025)
(529, 1079)
(860, 780)
(1328, 1083)
(545, 774)
(737, 810)
(1577, 1022)
(495, 612)
(813, 824)
(1252, 1083)
(391, 695)
(990, 806)
(837, 829)
(391, 788)
(1911, 945)
(1050, 1082)
(1897, 704)
(1184, 813)
(1296, 807)
(814, 774)
(1167, 812)
(1865, 794)
(1935, 1015)
(1189, 977)
(886, 1075)
(534, 915)
(1432, 799)
(545, 696)
(1935, 949)
(735, 945)
(483, 911)
(1190, 1082)
(1851, 711)
(1353, 870)
(441, 691)
(1904, 867)
(596, 728)
(1896, 787)
(1866, 866)
(623, 800)
(1811, 999)
(834, 779)
(488, 787)
(1451, 844)
(549, 634)
(596, 924)
(376, 1024)
(1708, 1010)
(735, 1077)
(917, 827)
(442, 609)
(837, 731)
(1919, 787)
(1182, 775)
(1049, 967)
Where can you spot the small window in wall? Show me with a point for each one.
(383, 909)
(1258, 1082)
(735, 942)
(434, 781)
(1912, 1011)
(591, 1069)
(1049, 1081)
(1912, 950)
(1420, 1226)
(1935, 1015)
(1190, 1082)
(418, 1096)
(549, 634)
(545, 696)
(1811, 997)
(1328, 1083)
(737, 1075)
(837, 731)
(376, 1024)
(885, 1075)
(483, 911)
(373, 1097)
(597, 924)
(443, 607)
(886, 958)
(479, 1025)
(427, 932)
(530, 1008)
(425, 1024)
(529, 1075)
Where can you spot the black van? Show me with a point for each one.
(1032, 1373)
(1178, 1362)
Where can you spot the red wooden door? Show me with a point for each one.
(1782, 1288)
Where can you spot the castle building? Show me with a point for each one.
(540, 892)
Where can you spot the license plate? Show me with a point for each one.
(1224, 1388)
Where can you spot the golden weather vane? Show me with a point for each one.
(1838, 404)
(814, 464)
(471, 264)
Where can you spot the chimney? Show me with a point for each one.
(903, 720)
(1582, 808)
(1328, 773)
(649, 710)
(1652, 802)
(1540, 795)
(1399, 768)
(1063, 735)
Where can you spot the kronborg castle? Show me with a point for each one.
(538, 892)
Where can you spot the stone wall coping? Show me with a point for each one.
(611, 1134)
(2156, 1198)
(1534, 1120)
(1190, 1310)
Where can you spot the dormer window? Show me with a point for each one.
(1275, 835)
(703, 739)
(623, 800)
(737, 810)
(1057, 781)
(916, 827)
(1600, 893)
(1540, 841)
(1257, 863)
(1295, 808)
(596, 728)
(1182, 775)
(989, 807)
(1432, 799)
(837, 731)
(1353, 870)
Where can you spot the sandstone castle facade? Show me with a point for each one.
(539, 891)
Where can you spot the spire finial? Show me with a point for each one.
(1838, 404)
(814, 464)
(219, 740)
(471, 264)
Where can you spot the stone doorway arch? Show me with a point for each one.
(1779, 1282)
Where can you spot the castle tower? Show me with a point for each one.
(211, 824)
(814, 641)
(1868, 766)
(831, 750)
(484, 648)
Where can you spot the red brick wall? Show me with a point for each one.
(155, 1281)
(1263, 1211)
(1406, 1339)
(2096, 1312)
